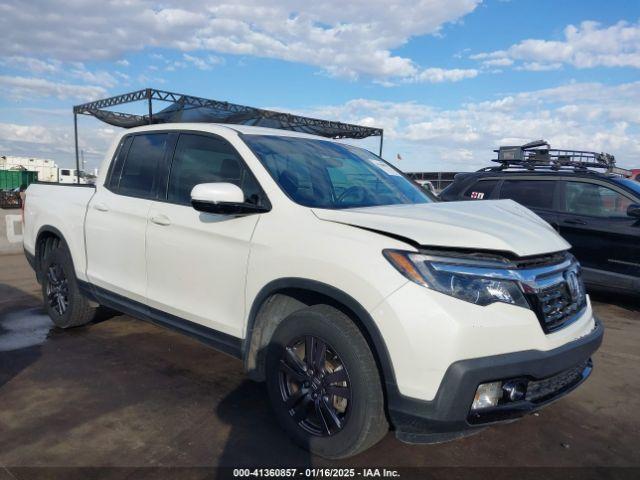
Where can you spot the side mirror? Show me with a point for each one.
(222, 198)
(633, 210)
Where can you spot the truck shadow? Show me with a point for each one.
(255, 439)
(626, 301)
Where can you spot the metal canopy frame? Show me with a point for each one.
(98, 110)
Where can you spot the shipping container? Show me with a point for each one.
(12, 179)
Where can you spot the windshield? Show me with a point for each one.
(324, 174)
(630, 184)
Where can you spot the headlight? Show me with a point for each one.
(472, 282)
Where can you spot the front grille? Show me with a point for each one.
(555, 306)
(541, 260)
(542, 390)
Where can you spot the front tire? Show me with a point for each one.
(63, 301)
(324, 384)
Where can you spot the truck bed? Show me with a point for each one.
(62, 205)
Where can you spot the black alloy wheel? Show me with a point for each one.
(324, 384)
(62, 299)
(57, 289)
(314, 385)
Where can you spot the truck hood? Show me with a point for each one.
(501, 225)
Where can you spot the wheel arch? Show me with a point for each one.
(45, 240)
(283, 296)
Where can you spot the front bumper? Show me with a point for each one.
(554, 373)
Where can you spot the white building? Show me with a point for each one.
(47, 169)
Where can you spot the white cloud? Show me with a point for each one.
(206, 63)
(498, 62)
(32, 65)
(588, 45)
(21, 88)
(589, 116)
(539, 67)
(56, 141)
(348, 39)
(123, 63)
(98, 77)
(439, 75)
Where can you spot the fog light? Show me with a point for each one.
(515, 390)
(487, 395)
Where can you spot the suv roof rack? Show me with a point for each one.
(538, 155)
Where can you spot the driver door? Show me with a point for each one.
(594, 220)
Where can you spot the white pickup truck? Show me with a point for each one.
(361, 300)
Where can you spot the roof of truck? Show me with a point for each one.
(213, 127)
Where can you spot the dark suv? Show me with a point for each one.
(597, 213)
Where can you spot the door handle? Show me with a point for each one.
(162, 220)
(575, 221)
(101, 207)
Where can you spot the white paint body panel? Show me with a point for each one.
(197, 264)
(63, 208)
(490, 225)
(115, 236)
(209, 268)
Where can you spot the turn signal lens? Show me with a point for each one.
(487, 395)
(402, 263)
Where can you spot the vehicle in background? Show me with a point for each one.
(69, 175)
(635, 174)
(428, 186)
(439, 180)
(337, 280)
(598, 213)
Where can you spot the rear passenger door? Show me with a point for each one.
(539, 195)
(117, 216)
(196, 261)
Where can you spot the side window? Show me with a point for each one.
(142, 163)
(583, 198)
(481, 190)
(530, 193)
(204, 159)
(115, 169)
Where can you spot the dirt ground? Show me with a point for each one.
(127, 395)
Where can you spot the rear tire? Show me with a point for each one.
(62, 298)
(331, 404)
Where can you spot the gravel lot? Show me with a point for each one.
(124, 393)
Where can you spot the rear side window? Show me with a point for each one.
(590, 199)
(530, 193)
(141, 165)
(205, 159)
(480, 190)
(115, 170)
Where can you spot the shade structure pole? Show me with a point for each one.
(150, 108)
(381, 140)
(75, 134)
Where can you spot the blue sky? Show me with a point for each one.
(448, 80)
